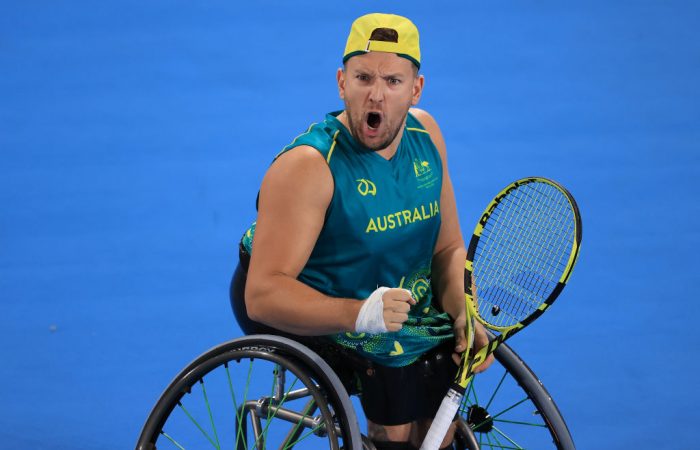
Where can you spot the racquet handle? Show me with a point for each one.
(443, 420)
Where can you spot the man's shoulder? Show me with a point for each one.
(301, 173)
(422, 117)
(319, 135)
(301, 156)
(431, 127)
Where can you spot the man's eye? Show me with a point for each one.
(363, 77)
(394, 81)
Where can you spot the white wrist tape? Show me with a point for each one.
(371, 317)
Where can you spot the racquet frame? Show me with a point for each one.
(468, 364)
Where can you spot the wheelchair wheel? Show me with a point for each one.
(254, 392)
(507, 407)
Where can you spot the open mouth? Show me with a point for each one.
(373, 120)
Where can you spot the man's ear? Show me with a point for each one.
(417, 89)
(340, 77)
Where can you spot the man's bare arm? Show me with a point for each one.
(450, 253)
(294, 197)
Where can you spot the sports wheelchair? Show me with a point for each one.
(267, 391)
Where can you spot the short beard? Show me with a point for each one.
(382, 145)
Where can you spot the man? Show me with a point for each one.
(357, 225)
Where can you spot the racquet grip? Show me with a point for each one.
(442, 421)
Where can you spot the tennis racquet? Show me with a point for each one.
(519, 259)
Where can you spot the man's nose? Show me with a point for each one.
(376, 92)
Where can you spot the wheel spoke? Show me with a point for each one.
(522, 423)
(495, 391)
(507, 438)
(194, 421)
(493, 418)
(310, 406)
(163, 433)
(238, 413)
(240, 433)
(488, 439)
(306, 435)
(499, 446)
(495, 438)
(211, 415)
(510, 407)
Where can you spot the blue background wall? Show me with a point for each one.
(134, 135)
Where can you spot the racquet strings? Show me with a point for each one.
(523, 252)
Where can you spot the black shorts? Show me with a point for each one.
(392, 395)
(389, 395)
(397, 395)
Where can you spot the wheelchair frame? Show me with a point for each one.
(328, 412)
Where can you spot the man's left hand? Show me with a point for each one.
(480, 340)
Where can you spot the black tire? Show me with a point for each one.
(335, 426)
(543, 425)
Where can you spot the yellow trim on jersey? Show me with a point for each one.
(417, 129)
(330, 152)
(295, 139)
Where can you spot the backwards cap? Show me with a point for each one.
(383, 33)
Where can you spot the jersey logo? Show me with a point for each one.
(424, 174)
(420, 167)
(366, 187)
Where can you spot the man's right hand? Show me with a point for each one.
(386, 309)
(397, 304)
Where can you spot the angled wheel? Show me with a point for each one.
(255, 392)
(507, 407)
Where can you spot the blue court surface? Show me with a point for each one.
(134, 136)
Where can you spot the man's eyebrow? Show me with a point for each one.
(387, 76)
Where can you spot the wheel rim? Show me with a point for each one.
(504, 411)
(246, 399)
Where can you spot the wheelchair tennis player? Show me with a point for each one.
(357, 250)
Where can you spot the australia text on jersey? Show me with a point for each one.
(401, 218)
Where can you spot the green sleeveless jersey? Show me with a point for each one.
(380, 230)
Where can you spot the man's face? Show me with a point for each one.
(378, 89)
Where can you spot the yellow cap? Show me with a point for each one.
(383, 33)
